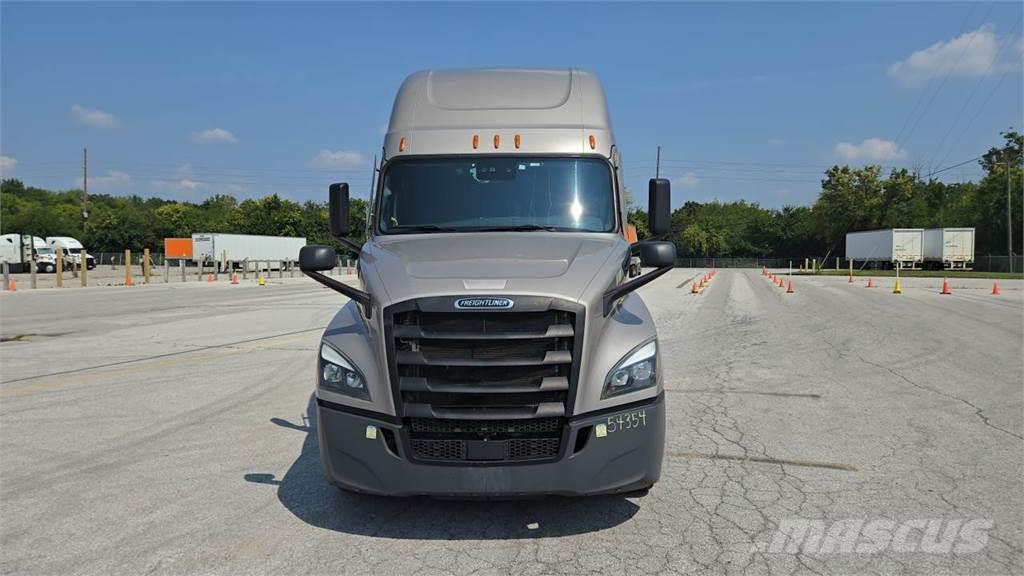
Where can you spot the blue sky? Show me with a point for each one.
(747, 101)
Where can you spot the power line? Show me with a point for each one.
(945, 77)
(957, 165)
(956, 120)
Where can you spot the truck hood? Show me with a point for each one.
(550, 263)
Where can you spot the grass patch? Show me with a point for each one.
(921, 274)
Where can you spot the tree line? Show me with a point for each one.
(850, 199)
(853, 199)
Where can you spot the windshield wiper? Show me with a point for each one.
(422, 228)
(519, 228)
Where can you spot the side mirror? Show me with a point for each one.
(657, 254)
(316, 258)
(659, 211)
(338, 208)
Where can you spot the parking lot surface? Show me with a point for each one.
(166, 429)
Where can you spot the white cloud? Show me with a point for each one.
(688, 180)
(870, 150)
(337, 159)
(93, 117)
(183, 181)
(111, 179)
(214, 136)
(970, 54)
(7, 164)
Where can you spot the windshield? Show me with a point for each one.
(44, 251)
(497, 193)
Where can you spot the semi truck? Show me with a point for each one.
(71, 251)
(494, 344)
(949, 248)
(238, 248)
(20, 251)
(887, 248)
(16, 252)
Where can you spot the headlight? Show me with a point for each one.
(337, 374)
(638, 370)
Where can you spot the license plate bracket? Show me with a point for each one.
(485, 450)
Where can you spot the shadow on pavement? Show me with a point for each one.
(306, 494)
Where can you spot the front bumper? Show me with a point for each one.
(626, 458)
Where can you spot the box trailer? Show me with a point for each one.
(951, 248)
(887, 247)
(238, 248)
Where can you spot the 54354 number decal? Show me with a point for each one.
(622, 423)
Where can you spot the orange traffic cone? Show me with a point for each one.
(234, 278)
(128, 281)
(693, 288)
(995, 288)
(764, 270)
(790, 290)
(945, 287)
(782, 282)
(209, 277)
(12, 286)
(850, 281)
(870, 283)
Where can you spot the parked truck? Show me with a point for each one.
(886, 248)
(949, 248)
(235, 249)
(21, 251)
(494, 343)
(16, 252)
(71, 251)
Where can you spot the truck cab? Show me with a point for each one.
(71, 251)
(494, 344)
(44, 255)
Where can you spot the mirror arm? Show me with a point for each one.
(349, 244)
(613, 294)
(357, 295)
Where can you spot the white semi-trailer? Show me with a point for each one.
(237, 248)
(951, 248)
(886, 248)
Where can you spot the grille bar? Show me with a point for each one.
(542, 410)
(410, 357)
(419, 384)
(553, 331)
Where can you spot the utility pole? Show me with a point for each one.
(657, 164)
(85, 188)
(1009, 218)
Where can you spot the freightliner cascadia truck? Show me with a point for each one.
(494, 344)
